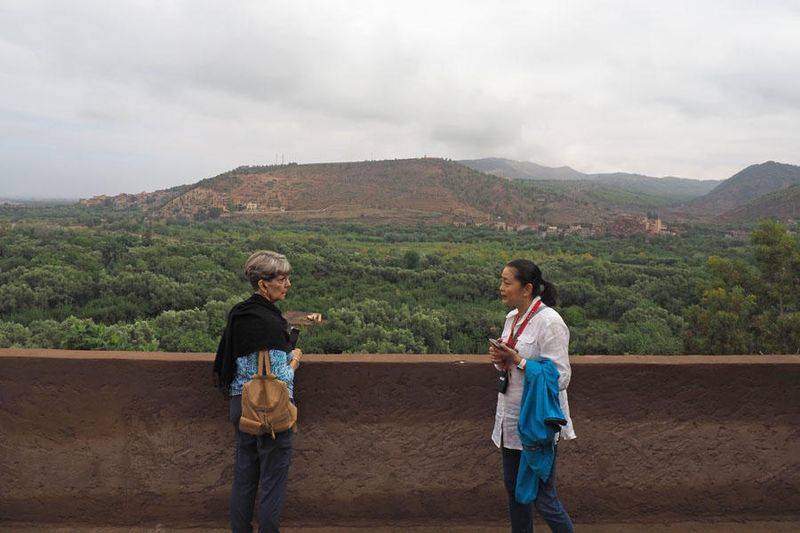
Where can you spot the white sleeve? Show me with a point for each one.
(555, 346)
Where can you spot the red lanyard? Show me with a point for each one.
(512, 339)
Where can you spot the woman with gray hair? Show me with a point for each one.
(255, 325)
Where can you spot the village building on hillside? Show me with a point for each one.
(627, 224)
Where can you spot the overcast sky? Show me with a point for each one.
(102, 97)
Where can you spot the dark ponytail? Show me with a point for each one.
(527, 272)
(549, 293)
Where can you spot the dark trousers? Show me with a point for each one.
(547, 502)
(258, 460)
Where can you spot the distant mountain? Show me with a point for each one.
(444, 191)
(412, 190)
(526, 170)
(673, 190)
(746, 186)
(778, 205)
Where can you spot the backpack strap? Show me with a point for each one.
(264, 363)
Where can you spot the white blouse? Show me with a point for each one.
(545, 337)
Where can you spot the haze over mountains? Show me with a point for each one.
(477, 191)
(671, 186)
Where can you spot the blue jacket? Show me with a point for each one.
(540, 416)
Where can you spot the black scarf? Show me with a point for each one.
(253, 325)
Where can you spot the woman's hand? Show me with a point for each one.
(297, 354)
(504, 355)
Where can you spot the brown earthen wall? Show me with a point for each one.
(124, 439)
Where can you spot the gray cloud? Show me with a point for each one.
(104, 97)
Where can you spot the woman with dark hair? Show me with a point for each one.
(255, 325)
(533, 330)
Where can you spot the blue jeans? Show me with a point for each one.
(547, 502)
(259, 460)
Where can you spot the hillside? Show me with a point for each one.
(778, 205)
(746, 186)
(413, 190)
(508, 168)
(670, 190)
(443, 191)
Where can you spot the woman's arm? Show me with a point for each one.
(280, 367)
(555, 347)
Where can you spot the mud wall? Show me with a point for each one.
(127, 439)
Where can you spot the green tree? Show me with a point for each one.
(595, 338)
(184, 331)
(777, 256)
(411, 259)
(13, 335)
(647, 330)
(748, 309)
(723, 322)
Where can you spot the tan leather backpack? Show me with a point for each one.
(265, 402)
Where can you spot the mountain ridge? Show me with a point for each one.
(782, 204)
(741, 193)
(748, 184)
(439, 190)
(427, 189)
(680, 189)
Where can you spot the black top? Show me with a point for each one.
(253, 325)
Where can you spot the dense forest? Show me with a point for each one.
(103, 279)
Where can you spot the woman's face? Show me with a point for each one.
(275, 289)
(512, 293)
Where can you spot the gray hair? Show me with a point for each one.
(266, 265)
